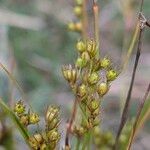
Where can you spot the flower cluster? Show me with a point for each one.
(26, 117)
(41, 140)
(90, 80)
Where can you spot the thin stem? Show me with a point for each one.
(138, 115)
(84, 20)
(148, 23)
(74, 110)
(131, 46)
(96, 24)
(127, 103)
(78, 144)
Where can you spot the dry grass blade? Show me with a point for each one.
(12, 78)
(15, 119)
(138, 117)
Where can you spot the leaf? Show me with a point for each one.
(22, 130)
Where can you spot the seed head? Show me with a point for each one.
(105, 63)
(81, 47)
(81, 62)
(69, 73)
(102, 88)
(78, 11)
(82, 90)
(19, 108)
(71, 26)
(24, 119)
(111, 75)
(93, 78)
(34, 118)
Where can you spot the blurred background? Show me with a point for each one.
(35, 43)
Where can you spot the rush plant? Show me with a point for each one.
(90, 79)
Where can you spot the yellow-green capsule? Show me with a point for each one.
(111, 75)
(105, 63)
(91, 48)
(82, 90)
(78, 11)
(81, 47)
(94, 105)
(71, 26)
(80, 62)
(34, 118)
(53, 135)
(85, 56)
(102, 88)
(79, 2)
(93, 78)
(19, 108)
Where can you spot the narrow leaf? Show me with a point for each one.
(22, 130)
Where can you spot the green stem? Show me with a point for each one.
(78, 144)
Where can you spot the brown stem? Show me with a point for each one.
(127, 103)
(138, 114)
(148, 23)
(72, 118)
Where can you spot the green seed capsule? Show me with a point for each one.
(85, 56)
(78, 11)
(81, 47)
(71, 26)
(79, 2)
(105, 63)
(19, 108)
(111, 75)
(82, 90)
(102, 88)
(93, 78)
(94, 105)
(34, 118)
(81, 63)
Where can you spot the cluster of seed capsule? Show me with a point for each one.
(78, 11)
(26, 117)
(43, 140)
(90, 80)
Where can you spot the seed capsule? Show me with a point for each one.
(111, 75)
(85, 56)
(78, 26)
(82, 90)
(38, 137)
(69, 73)
(93, 78)
(71, 26)
(34, 118)
(78, 11)
(34, 143)
(19, 108)
(105, 63)
(81, 62)
(91, 48)
(79, 2)
(52, 112)
(81, 47)
(24, 119)
(53, 135)
(102, 88)
(94, 105)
